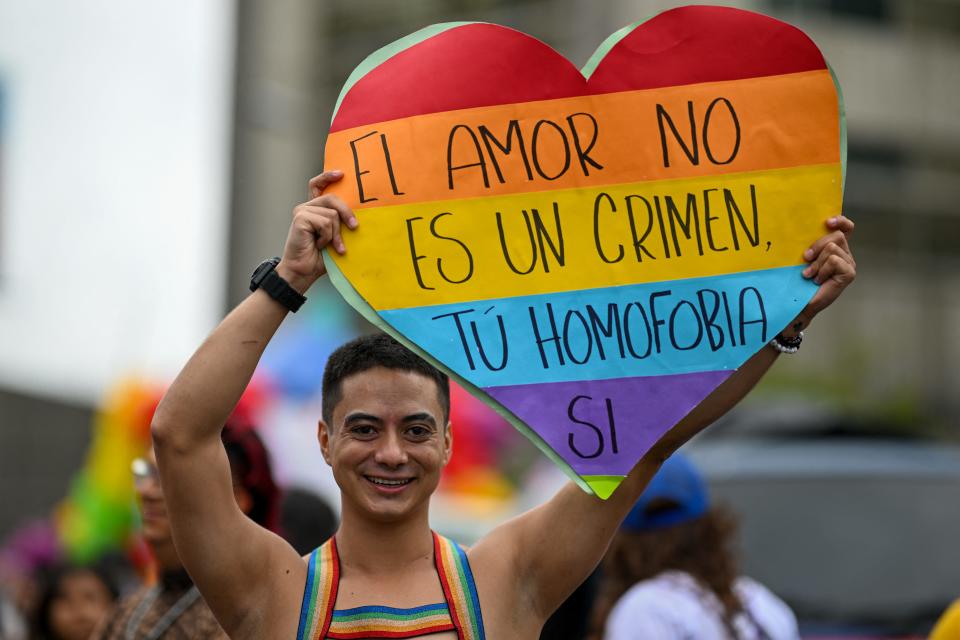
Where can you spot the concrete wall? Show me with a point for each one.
(41, 444)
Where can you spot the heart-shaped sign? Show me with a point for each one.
(592, 253)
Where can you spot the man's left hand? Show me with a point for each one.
(831, 265)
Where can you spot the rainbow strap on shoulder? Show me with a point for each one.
(453, 569)
(458, 588)
(320, 592)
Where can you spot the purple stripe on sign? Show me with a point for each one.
(603, 427)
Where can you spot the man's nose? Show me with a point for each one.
(148, 488)
(391, 452)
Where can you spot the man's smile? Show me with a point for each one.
(390, 485)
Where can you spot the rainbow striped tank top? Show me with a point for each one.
(460, 612)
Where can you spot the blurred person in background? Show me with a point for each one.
(25, 554)
(306, 519)
(572, 618)
(12, 623)
(73, 599)
(256, 492)
(670, 571)
(173, 607)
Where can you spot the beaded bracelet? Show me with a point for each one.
(787, 345)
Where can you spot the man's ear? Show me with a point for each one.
(447, 442)
(323, 436)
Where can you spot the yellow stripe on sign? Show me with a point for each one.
(525, 244)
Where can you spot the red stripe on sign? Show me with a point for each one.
(479, 65)
(689, 45)
(476, 65)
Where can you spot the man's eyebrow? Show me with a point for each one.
(421, 417)
(359, 416)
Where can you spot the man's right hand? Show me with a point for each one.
(316, 224)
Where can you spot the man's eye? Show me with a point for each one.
(362, 430)
(418, 432)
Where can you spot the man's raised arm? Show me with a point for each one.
(556, 546)
(241, 569)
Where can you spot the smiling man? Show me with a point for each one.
(386, 435)
(371, 385)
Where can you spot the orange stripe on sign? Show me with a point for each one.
(742, 125)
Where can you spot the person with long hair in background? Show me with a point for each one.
(72, 600)
(671, 573)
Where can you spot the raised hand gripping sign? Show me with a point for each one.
(592, 253)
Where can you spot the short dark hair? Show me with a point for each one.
(371, 351)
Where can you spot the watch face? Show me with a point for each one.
(261, 272)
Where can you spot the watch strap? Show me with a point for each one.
(266, 278)
(281, 291)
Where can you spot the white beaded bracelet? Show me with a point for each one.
(787, 345)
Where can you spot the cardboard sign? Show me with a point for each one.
(591, 252)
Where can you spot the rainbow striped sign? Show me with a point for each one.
(591, 252)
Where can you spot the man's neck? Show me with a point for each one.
(165, 555)
(373, 547)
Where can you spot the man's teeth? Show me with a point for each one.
(389, 483)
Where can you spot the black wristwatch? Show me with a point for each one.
(265, 277)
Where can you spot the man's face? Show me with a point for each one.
(153, 509)
(388, 442)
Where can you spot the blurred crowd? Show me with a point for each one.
(670, 572)
(126, 593)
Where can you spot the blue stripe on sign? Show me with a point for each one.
(681, 326)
